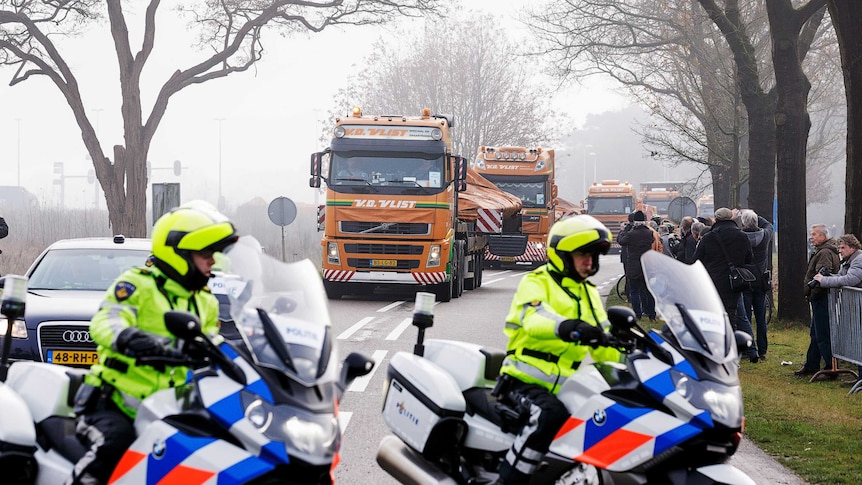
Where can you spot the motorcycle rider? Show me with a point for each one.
(555, 320)
(130, 324)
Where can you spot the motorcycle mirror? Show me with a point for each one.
(355, 365)
(184, 325)
(743, 341)
(622, 318)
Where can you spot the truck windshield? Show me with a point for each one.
(661, 205)
(378, 170)
(532, 194)
(609, 205)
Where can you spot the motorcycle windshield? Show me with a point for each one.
(686, 299)
(279, 309)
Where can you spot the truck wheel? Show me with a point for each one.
(443, 291)
(480, 266)
(470, 283)
(334, 291)
(458, 271)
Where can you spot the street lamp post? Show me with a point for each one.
(586, 189)
(595, 177)
(220, 203)
(19, 150)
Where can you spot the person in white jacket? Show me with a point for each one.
(850, 274)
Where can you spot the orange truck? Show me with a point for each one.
(528, 174)
(706, 206)
(660, 195)
(611, 202)
(401, 210)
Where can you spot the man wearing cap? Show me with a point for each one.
(725, 244)
(638, 241)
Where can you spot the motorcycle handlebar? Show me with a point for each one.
(170, 357)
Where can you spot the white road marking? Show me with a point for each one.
(390, 306)
(492, 281)
(343, 419)
(395, 333)
(353, 329)
(360, 383)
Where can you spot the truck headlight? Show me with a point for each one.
(332, 256)
(433, 256)
(19, 328)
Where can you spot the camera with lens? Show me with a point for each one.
(815, 283)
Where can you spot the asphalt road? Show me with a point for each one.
(379, 326)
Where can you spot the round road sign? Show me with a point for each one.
(282, 211)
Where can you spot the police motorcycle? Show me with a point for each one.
(262, 409)
(672, 413)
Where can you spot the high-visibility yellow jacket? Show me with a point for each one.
(536, 355)
(139, 298)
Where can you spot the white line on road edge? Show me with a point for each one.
(356, 326)
(394, 334)
(492, 281)
(390, 306)
(360, 383)
(344, 419)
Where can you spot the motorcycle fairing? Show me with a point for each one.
(163, 454)
(222, 399)
(607, 434)
(656, 378)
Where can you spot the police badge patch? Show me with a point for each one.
(123, 290)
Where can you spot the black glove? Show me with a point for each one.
(579, 331)
(136, 343)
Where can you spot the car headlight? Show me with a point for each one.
(312, 437)
(723, 402)
(19, 328)
(433, 256)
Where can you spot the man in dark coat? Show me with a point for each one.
(637, 241)
(684, 251)
(759, 232)
(737, 251)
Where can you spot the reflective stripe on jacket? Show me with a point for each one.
(139, 298)
(536, 355)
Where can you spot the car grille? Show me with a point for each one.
(67, 336)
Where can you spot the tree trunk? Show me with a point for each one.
(846, 18)
(792, 126)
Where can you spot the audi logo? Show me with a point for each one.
(77, 336)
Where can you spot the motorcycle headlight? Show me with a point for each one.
(309, 436)
(723, 402)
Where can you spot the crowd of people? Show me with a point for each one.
(742, 238)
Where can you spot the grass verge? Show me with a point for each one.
(815, 429)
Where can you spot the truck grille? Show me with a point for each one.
(382, 249)
(401, 264)
(507, 245)
(409, 228)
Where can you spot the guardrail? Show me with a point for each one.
(845, 327)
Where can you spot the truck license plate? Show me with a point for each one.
(72, 357)
(508, 259)
(385, 263)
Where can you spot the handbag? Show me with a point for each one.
(741, 277)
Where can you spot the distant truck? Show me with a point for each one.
(611, 202)
(528, 174)
(706, 206)
(660, 195)
(401, 210)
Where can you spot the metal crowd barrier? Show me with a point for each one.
(845, 326)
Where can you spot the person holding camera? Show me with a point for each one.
(753, 301)
(850, 273)
(825, 259)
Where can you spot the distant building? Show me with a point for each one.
(14, 197)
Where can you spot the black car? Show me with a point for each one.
(67, 283)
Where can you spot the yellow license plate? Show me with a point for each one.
(72, 357)
(508, 259)
(386, 263)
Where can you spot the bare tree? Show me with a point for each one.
(493, 94)
(231, 41)
(847, 17)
